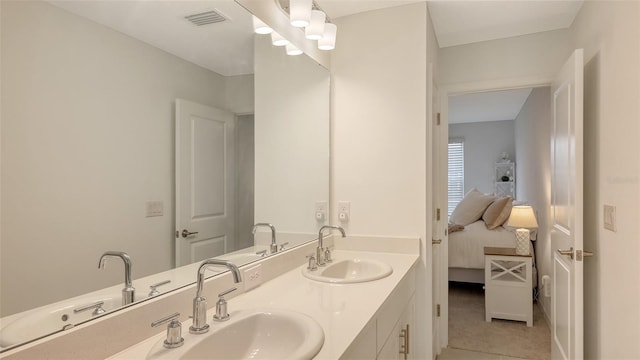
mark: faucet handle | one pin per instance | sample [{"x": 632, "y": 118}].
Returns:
[
  {"x": 327, "y": 255},
  {"x": 153, "y": 288},
  {"x": 312, "y": 263},
  {"x": 221, "y": 306},
  {"x": 174, "y": 330},
  {"x": 283, "y": 245},
  {"x": 97, "y": 306},
  {"x": 262, "y": 253}
]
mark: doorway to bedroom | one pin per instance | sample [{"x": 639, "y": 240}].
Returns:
[{"x": 496, "y": 141}]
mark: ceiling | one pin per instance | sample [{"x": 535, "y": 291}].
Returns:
[
  {"x": 225, "y": 47},
  {"x": 340, "y": 8},
  {"x": 465, "y": 22},
  {"x": 487, "y": 106}
]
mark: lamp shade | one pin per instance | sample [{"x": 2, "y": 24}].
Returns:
[
  {"x": 300, "y": 12},
  {"x": 328, "y": 41},
  {"x": 316, "y": 28},
  {"x": 260, "y": 27},
  {"x": 522, "y": 217}
]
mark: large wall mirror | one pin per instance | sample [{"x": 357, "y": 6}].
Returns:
[{"x": 125, "y": 123}]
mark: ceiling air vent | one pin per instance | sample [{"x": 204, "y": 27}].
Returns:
[{"x": 206, "y": 18}]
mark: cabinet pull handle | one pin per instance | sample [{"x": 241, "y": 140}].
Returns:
[{"x": 404, "y": 346}]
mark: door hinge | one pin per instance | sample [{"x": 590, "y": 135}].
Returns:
[
  {"x": 438, "y": 310},
  {"x": 437, "y": 118},
  {"x": 438, "y": 214}
]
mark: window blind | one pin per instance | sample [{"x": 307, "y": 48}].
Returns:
[{"x": 456, "y": 172}]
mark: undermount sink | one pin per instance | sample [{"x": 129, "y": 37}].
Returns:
[
  {"x": 350, "y": 271},
  {"x": 262, "y": 334},
  {"x": 47, "y": 320}
]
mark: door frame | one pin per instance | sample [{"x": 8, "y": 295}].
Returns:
[{"x": 447, "y": 90}]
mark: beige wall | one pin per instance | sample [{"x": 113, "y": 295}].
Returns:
[
  {"x": 379, "y": 132},
  {"x": 532, "y": 129},
  {"x": 87, "y": 140},
  {"x": 609, "y": 32},
  {"x": 523, "y": 57}
]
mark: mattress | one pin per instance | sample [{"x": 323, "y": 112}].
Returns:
[{"x": 466, "y": 247}]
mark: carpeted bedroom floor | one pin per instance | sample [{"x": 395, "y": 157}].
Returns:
[{"x": 468, "y": 329}]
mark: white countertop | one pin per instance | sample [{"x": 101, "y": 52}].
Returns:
[{"x": 342, "y": 310}]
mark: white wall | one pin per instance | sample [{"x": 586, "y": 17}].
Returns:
[
  {"x": 532, "y": 129},
  {"x": 484, "y": 143},
  {"x": 87, "y": 139},
  {"x": 379, "y": 134},
  {"x": 609, "y": 32},
  {"x": 292, "y": 138}
]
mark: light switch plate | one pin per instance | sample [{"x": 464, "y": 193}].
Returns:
[
  {"x": 155, "y": 208},
  {"x": 610, "y": 217}
]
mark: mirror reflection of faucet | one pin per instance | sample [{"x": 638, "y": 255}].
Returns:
[
  {"x": 129, "y": 291},
  {"x": 274, "y": 246},
  {"x": 154, "y": 288}
]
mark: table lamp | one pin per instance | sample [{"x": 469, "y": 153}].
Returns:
[{"x": 523, "y": 219}]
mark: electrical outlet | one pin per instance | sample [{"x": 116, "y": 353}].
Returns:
[
  {"x": 252, "y": 277},
  {"x": 154, "y": 208},
  {"x": 321, "y": 210},
  {"x": 344, "y": 211}
]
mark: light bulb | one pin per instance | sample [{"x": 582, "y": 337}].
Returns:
[
  {"x": 300, "y": 12},
  {"x": 278, "y": 40},
  {"x": 328, "y": 41},
  {"x": 261, "y": 28},
  {"x": 316, "y": 27}
]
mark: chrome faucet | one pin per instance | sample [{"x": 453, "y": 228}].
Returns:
[
  {"x": 274, "y": 246},
  {"x": 129, "y": 291},
  {"x": 324, "y": 255},
  {"x": 200, "y": 325}
]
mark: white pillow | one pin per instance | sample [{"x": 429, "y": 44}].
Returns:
[{"x": 471, "y": 207}]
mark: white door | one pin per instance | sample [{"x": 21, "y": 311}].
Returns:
[
  {"x": 205, "y": 186},
  {"x": 566, "y": 210}
]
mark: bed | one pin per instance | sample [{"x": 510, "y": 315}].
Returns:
[
  {"x": 466, "y": 251},
  {"x": 475, "y": 223}
]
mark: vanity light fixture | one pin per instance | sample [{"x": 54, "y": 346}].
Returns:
[
  {"x": 300, "y": 12},
  {"x": 260, "y": 27},
  {"x": 328, "y": 41},
  {"x": 278, "y": 40},
  {"x": 316, "y": 27},
  {"x": 293, "y": 50}
]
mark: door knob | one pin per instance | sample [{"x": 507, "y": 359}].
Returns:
[
  {"x": 566, "y": 252},
  {"x": 436, "y": 242},
  {"x": 186, "y": 233}
]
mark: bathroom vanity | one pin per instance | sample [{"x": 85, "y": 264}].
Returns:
[{"x": 371, "y": 319}]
